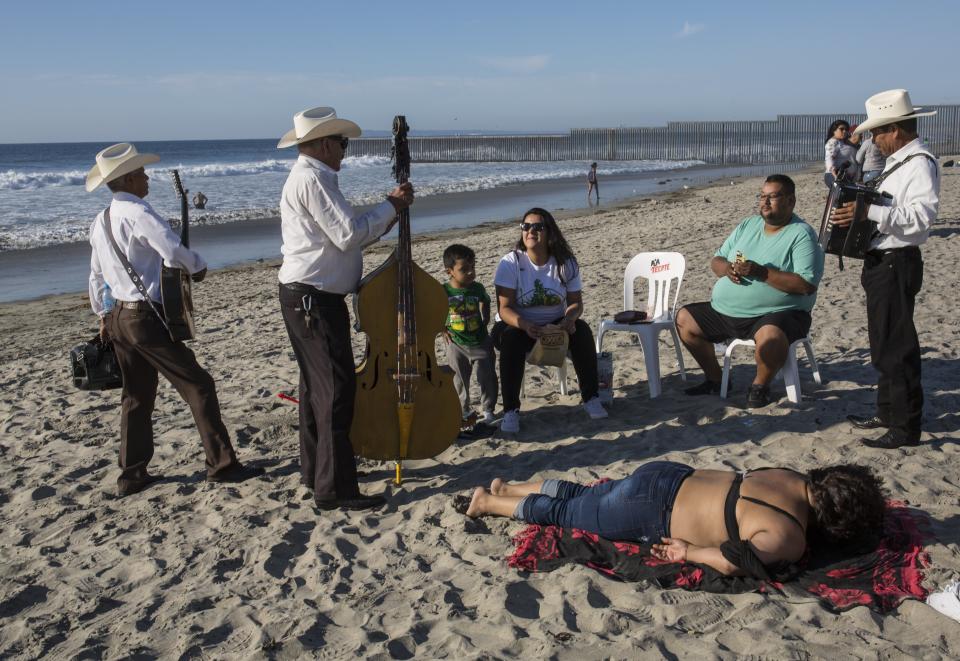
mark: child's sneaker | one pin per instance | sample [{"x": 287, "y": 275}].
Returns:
[
  {"x": 487, "y": 418},
  {"x": 511, "y": 422},
  {"x": 595, "y": 409}
]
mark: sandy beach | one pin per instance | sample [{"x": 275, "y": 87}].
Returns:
[{"x": 252, "y": 571}]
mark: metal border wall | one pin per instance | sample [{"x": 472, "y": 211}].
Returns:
[{"x": 788, "y": 138}]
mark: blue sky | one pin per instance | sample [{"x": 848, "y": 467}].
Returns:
[{"x": 108, "y": 71}]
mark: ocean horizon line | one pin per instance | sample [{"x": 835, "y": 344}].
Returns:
[{"x": 368, "y": 133}]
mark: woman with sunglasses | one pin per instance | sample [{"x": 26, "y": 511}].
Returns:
[
  {"x": 538, "y": 283},
  {"x": 840, "y": 156}
]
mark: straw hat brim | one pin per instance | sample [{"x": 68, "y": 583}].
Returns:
[
  {"x": 873, "y": 123},
  {"x": 95, "y": 178},
  {"x": 337, "y": 126}
]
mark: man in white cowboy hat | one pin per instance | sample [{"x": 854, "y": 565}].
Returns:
[
  {"x": 893, "y": 269},
  {"x": 323, "y": 241},
  {"x": 142, "y": 345}
]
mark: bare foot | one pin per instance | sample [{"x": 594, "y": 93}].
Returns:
[
  {"x": 497, "y": 486},
  {"x": 477, "y": 502}
]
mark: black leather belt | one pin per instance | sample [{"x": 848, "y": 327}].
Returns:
[
  {"x": 139, "y": 306},
  {"x": 309, "y": 290},
  {"x": 879, "y": 254}
]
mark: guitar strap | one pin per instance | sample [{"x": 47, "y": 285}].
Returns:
[{"x": 128, "y": 267}]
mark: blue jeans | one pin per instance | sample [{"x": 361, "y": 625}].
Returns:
[
  {"x": 871, "y": 174},
  {"x": 636, "y": 508}
]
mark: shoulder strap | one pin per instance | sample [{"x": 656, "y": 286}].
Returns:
[
  {"x": 875, "y": 183},
  {"x": 730, "y": 508},
  {"x": 787, "y": 514},
  {"x": 128, "y": 267}
]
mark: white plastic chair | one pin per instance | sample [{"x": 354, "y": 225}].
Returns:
[
  {"x": 790, "y": 370},
  {"x": 662, "y": 270}
]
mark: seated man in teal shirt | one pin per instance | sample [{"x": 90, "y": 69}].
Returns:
[{"x": 768, "y": 271}]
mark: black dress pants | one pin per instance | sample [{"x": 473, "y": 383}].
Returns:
[
  {"x": 327, "y": 390},
  {"x": 514, "y": 345},
  {"x": 891, "y": 280}
]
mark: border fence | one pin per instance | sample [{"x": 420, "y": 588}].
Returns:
[{"x": 788, "y": 138}]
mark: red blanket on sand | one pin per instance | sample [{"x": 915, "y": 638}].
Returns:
[{"x": 879, "y": 579}]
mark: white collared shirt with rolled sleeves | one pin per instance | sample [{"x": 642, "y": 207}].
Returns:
[
  {"x": 915, "y": 189},
  {"x": 323, "y": 236},
  {"x": 147, "y": 241}
]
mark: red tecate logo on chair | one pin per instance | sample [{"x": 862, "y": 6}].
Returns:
[{"x": 657, "y": 267}]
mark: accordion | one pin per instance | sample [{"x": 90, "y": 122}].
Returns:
[
  {"x": 854, "y": 239},
  {"x": 94, "y": 366}
]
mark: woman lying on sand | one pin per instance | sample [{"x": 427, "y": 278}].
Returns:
[{"x": 757, "y": 523}]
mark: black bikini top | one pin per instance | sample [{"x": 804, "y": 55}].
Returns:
[{"x": 742, "y": 552}]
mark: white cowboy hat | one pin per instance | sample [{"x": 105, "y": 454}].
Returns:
[
  {"x": 889, "y": 107},
  {"x": 116, "y": 161},
  {"x": 317, "y": 123}
]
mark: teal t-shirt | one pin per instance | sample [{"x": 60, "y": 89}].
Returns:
[
  {"x": 464, "y": 321},
  {"x": 794, "y": 249}
]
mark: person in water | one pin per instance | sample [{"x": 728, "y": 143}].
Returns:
[{"x": 759, "y": 523}]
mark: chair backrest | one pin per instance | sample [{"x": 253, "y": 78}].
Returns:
[{"x": 661, "y": 269}]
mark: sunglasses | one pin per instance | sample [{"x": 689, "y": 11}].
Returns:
[
  {"x": 340, "y": 139},
  {"x": 533, "y": 227}
]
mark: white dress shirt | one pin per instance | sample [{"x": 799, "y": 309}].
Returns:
[
  {"x": 147, "y": 241},
  {"x": 323, "y": 236},
  {"x": 905, "y": 220}
]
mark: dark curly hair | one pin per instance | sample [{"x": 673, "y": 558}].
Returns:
[
  {"x": 557, "y": 246},
  {"x": 849, "y": 501}
]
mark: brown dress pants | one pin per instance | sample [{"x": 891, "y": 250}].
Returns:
[{"x": 143, "y": 350}]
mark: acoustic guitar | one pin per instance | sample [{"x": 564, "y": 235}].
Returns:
[{"x": 175, "y": 284}]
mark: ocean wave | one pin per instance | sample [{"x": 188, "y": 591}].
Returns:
[
  {"x": 21, "y": 238},
  {"x": 222, "y": 169},
  {"x": 16, "y": 180},
  {"x": 13, "y": 180}
]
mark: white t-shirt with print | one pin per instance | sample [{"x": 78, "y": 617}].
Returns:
[{"x": 541, "y": 295}]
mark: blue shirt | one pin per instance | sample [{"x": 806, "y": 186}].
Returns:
[{"x": 793, "y": 249}]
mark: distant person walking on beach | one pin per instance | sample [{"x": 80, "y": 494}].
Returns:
[
  {"x": 323, "y": 241},
  {"x": 839, "y": 155},
  {"x": 893, "y": 269},
  {"x": 199, "y": 200},
  {"x": 143, "y": 347},
  {"x": 592, "y": 184}
]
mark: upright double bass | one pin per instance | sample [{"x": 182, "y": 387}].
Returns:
[{"x": 406, "y": 405}]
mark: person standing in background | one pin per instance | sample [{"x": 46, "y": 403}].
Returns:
[
  {"x": 870, "y": 159},
  {"x": 839, "y": 154}
]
